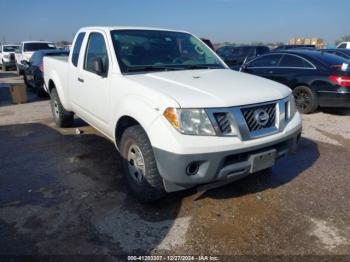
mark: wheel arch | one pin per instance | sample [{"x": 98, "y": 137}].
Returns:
[{"x": 122, "y": 124}]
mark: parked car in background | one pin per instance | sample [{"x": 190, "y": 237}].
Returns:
[
  {"x": 208, "y": 43},
  {"x": 316, "y": 78},
  {"x": 343, "y": 52},
  {"x": 7, "y": 56},
  {"x": 179, "y": 116},
  {"x": 288, "y": 47},
  {"x": 34, "y": 68},
  {"x": 26, "y": 50},
  {"x": 345, "y": 45},
  {"x": 235, "y": 56}
]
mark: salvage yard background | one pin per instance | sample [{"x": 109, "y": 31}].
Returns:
[{"x": 64, "y": 193}]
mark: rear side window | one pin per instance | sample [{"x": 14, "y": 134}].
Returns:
[
  {"x": 96, "y": 49},
  {"x": 77, "y": 47},
  {"x": 342, "y": 46},
  {"x": 294, "y": 61},
  {"x": 266, "y": 61}
]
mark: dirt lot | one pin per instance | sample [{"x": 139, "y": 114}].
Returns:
[{"x": 64, "y": 194}]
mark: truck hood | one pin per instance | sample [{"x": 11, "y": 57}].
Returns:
[
  {"x": 27, "y": 55},
  {"x": 212, "y": 88}
]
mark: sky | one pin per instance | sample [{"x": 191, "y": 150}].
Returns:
[{"x": 240, "y": 21}]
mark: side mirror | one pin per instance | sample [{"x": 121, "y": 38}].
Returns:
[{"x": 98, "y": 66}]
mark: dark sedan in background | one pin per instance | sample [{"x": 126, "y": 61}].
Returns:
[
  {"x": 235, "y": 56},
  {"x": 288, "y": 47},
  {"x": 316, "y": 78},
  {"x": 345, "y": 53},
  {"x": 33, "y": 71}
]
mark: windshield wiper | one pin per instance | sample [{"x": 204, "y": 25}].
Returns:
[
  {"x": 199, "y": 66},
  {"x": 150, "y": 68}
]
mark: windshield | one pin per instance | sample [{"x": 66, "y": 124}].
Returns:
[
  {"x": 153, "y": 50},
  {"x": 30, "y": 47},
  {"x": 9, "y": 48}
]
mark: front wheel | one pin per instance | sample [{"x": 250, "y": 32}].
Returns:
[
  {"x": 140, "y": 166},
  {"x": 62, "y": 117},
  {"x": 306, "y": 100}
]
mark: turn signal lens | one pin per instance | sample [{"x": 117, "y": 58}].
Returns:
[
  {"x": 171, "y": 115},
  {"x": 343, "y": 81}
]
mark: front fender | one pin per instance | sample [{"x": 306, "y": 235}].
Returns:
[{"x": 137, "y": 107}]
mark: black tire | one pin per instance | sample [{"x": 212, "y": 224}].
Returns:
[
  {"x": 26, "y": 81},
  {"x": 18, "y": 71},
  {"x": 62, "y": 117},
  {"x": 150, "y": 187},
  {"x": 40, "y": 92},
  {"x": 306, "y": 99}
]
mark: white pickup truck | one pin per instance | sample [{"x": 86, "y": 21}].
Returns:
[
  {"x": 178, "y": 115},
  {"x": 27, "y": 49},
  {"x": 7, "y": 56}
]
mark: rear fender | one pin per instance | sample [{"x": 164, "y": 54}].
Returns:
[{"x": 60, "y": 90}]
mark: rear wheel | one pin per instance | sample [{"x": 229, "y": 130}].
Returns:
[
  {"x": 140, "y": 166},
  {"x": 306, "y": 100},
  {"x": 62, "y": 117}
]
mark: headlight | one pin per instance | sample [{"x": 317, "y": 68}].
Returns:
[
  {"x": 292, "y": 107},
  {"x": 190, "y": 121},
  {"x": 6, "y": 56}
]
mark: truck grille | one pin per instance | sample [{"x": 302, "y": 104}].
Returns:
[
  {"x": 12, "y": 57},
  {"x": 224, "y": 123},
  {"x": 253, "y": 121}
]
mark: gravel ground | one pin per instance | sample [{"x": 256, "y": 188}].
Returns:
[{"x": 64, "y": 194}]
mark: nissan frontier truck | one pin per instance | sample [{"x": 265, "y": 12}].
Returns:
[{"x": 177, "y": 114}]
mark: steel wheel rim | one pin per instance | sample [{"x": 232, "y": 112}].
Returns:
[
  {"x": 302, "y": 99},
  {"x": 55, "y": 109},
  {"x": 136, "y": 163}
]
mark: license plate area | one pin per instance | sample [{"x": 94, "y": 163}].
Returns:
[{"x": 262, "y": 160}]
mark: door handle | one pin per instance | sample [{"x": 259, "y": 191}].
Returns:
[
  {"x": 271, "y": 72},
  {"x": 80, "y": 80}
]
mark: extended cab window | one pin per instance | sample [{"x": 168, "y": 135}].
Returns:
[
  {"x": 342, "y": 46},
  {"x": 294, "y": 61},
  {"x": 266, "y": 61},
  {"x": 77, "y": 47},
  {"x": 96, "y": 51}
]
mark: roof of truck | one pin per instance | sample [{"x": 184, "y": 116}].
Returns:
[
  {"x": 109, "y": 28},
  {"x": 9, "y": 45},
  {"x": 39, "y": 41}
]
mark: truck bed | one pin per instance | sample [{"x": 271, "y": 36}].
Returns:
[{"x": 56, "y": 69}]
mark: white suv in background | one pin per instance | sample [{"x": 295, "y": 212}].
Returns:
[
  {"x": 7, "y": 56},
  {"x": 27, "y": 49},
  {"x": 344, "y": 45}
]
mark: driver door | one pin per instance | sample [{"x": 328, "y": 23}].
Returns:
[{"x": 92, "y": 87}]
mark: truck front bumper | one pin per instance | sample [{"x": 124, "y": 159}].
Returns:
[
  {"x": 9, "y": 63},
  {"x": 182, "y": 171}
]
